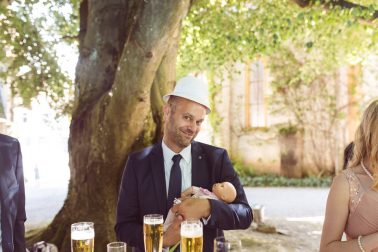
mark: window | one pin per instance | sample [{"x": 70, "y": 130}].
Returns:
[{"x": 255, "y": 113}]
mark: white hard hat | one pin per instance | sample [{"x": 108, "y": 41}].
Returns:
[{"x": 193, "y": 89}]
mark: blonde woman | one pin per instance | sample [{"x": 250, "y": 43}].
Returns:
[{"x": 352, "y": 205}]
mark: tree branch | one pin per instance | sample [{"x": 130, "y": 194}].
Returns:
[
  {"x": 70, "y": 37},
  {"x": 4, "y": 3},
  {"x": 341, "y": 3}
]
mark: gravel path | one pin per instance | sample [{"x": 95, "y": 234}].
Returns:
[
  {"x": 296, "y": 213},
  {"x": 293, "y": 236}
]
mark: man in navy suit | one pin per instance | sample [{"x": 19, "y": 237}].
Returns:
[
  {"x": 150, "y": 176},
  {"x": 12, "y": 196}
]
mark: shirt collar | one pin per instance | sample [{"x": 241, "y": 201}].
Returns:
[{"x": 168, "y": 154}]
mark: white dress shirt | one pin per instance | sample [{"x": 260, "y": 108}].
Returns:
[
  {"x": 186, "y": 169},
  {"x": 185, "y": 165}
]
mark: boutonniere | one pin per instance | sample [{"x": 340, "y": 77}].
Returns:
[{"x": 174, "y": 247}]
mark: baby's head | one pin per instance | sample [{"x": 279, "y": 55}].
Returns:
[{"x": 225, "y": 191}]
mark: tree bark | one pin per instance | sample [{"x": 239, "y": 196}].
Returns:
[{"x": 127, "y": 62}]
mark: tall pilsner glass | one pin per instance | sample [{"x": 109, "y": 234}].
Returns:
[
  {"x": 191, "y": 236},
  {"x": 153, "y": 232},
  {"x": 82, "y": 237}
]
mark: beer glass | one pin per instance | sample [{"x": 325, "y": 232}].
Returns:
[
  {"x": 116, "y": 247},
  {"x": 191, "y": 236},
  {"x": 82, "y": 237},
  {"x": 223, "y": 245},
  {"x": 153, "y": 232}
]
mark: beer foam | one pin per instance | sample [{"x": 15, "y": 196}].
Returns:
[
  {"x": 82, "y": 235},
  {"x": 153, "y": 221},
  {"x": 191, "y": 231}
]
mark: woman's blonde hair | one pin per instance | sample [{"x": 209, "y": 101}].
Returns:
[{"x": 366, "y": 141}]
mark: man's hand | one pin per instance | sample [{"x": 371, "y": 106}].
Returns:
[
  {"x": 190, "y": 191},
  {"x": 192, "y": 208},
  {"x": 172, "y": 235}
]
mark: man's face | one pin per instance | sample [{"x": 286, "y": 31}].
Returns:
[{"x": 183, "y": 119}]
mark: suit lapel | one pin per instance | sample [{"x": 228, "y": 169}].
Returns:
[
  {"x": 199, "y": 174},
  {"x": 3, "y": 168},
  {"x": 158, "y": 173},
  {"x": 7, "y": 177}
]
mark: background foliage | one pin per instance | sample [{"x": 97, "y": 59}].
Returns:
[
  {"x": 250, "y": 178},
  {"x": 304, "y": 45},
  {"x": 304, "y": 48},
  {"x": 28, "y": 57},
  {"x": 218, "y": 32},
  {"x": 215, "y": 32}
]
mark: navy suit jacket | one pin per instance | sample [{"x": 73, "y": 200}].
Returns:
[
  {"x": 143, "y": 191},
  {"x": 12, "y": 195}
]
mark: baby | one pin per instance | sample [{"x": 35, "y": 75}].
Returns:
[{"x": 224, "y": 191}]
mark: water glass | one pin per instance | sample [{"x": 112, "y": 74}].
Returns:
[
  {"x": 223, "y": 245},
  {"x": 116, "y": 247}
]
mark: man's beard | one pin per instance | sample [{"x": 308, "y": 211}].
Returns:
[
  {"x": 178, "y": 136},
  {"x": 181, "y": 140}
]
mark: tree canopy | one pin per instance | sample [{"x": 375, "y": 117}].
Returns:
[
  {"x": 30, "y": 32},
  {"x": 214, "y": 33},
  {"x": 219, "y": 32}
]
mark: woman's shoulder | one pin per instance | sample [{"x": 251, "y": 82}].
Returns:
[
  {"x": 353, "y": 171},
  {"x": 339, "y": 191},
  {"x": 341, "y": 180}
]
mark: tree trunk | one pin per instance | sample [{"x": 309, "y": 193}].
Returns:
[{"x": 127, "y": 62}]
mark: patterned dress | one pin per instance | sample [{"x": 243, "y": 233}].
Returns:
[{"x": 363, "y": 205}]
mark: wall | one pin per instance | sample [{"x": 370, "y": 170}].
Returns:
[
  {"x": 260, "y": 148},
  {"x": 257, "y": 148}
]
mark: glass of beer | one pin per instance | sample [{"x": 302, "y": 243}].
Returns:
[
  {"x": 116, "y": 247},
  {"x": 223, "y": 245},
  {"x": 82, "y": 237},
  {"x": 191, "y": 236},
  {"x": 153, "y": 232}
]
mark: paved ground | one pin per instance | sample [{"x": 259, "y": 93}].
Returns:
[
  {"x": 297, "y": 212},
  {"x": 284, "y": 202},
  {"x": 42, "y": 203}
]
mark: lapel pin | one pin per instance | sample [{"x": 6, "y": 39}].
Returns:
[{"x": 199, "y": 157}]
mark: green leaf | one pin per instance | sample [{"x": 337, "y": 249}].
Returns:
[{"x": 174, "y": 247}]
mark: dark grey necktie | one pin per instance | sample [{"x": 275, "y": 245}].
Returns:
[{"x": 174, "y": 189}]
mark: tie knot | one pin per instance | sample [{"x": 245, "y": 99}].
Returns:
[{"x": 176, "y": 158}]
